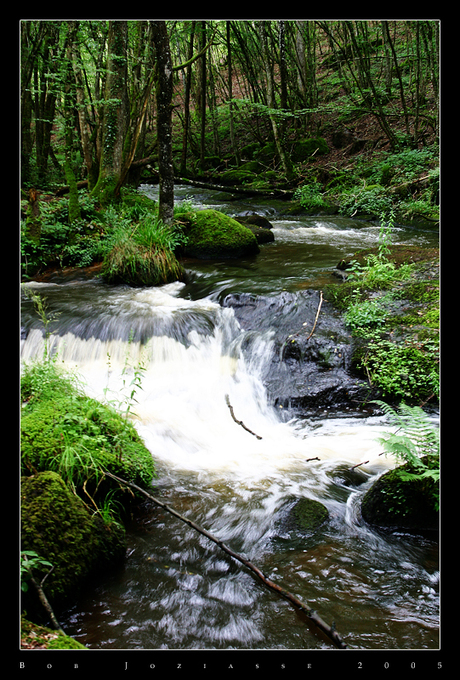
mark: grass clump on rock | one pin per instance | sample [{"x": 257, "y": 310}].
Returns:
[{"x": 142, "y": 253}]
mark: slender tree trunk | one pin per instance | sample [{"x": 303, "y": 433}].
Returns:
[
  {"x": 203, "y": 94},
  {"x": 69, "y": 122},
  {"x": 188, "y": 80},
  {"x": 164, "y": 92},
  {"x": 83, "y": 119},
  {"x": 285, "y": 161},
  {"x": 115, "y": 115}
]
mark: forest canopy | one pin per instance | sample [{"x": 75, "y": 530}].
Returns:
[{"x": 106, "y": 103}]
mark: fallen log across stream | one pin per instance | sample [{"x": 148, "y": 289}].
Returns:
[{"x": 311, "y": 614}]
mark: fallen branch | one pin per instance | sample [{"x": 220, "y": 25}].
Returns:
[
  {"x": 44, "y": 600},
  {"x": 317, "y": 313},
  {"x": 329, "y": 631},
  {"x": 232, "y": 189},
  {"x": 357, "y": 465},
  {"x": 239, "y": 422}
]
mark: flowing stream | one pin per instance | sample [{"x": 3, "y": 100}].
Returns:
[{"x": 177, "y": 590}]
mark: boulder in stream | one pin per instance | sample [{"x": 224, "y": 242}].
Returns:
[
  {"x": 58, "y": 526},
  {"x": 399, "y": 505},
  {"x": 214, "y": 235}
]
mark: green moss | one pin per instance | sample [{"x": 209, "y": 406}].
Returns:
[
  {"x": 309, "y": 514},
  {"x": 305, "y": 148},
  {"x": 57, "y": 525},
  {"x": 34, "y": 636},
  {"x": 65, "y": 431},
  {"x": 80, "y": 437},
  {"x": 395, "y": 503},
  {"x": 211, "y": 234}
]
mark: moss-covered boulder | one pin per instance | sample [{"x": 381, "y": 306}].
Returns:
[
  {"x": 306, "y": 148},
  {"x": 308, "y": 515},
  {"x": 80, "y": 438},
  {"x": 398, "y": 504},
  {"x": 214, "y": 235},
  {"x": 299, "y": 521},
  {"x": 58, "y": 526}
]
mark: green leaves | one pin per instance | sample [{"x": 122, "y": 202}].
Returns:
[
  {"x": 415, "y": 442},
  {"x": 30, "y": 561}
]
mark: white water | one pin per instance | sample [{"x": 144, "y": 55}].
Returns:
[
  {"x": 181, "y": 410},
  {"x": 176, "y": 591}
]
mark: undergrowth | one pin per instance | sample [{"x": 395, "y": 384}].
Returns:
[{"x": 415, "y": 443}]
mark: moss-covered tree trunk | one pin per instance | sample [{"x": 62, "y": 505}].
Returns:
[
  {"x": 116, "y": 114},
  {"x": 69, "y": 118},
  {"x": 164, "y": 91}
]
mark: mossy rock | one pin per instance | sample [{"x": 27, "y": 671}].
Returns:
[
  {"x": 96, "y": 437},
  {"x": 305, "y": 148},
  {"x": 309, "y": 515},
  {"x": 214, "y": 235},
  {"x": 34, "y": 636},
  {"x": 57, "y": 525},
  {"x": 397, "y": 504}
]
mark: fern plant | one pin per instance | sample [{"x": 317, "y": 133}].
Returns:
[{"x": 416, "y": 442}]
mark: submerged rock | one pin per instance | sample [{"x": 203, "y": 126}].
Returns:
[
  {"x": 299, "y": 520},
  {"x": 308, "y": 515}
]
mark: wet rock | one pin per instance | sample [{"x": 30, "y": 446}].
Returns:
[
  {"x": 259, "y": 225},
  {"x": 305, "y": 371},
  {"x": 299, "y": 520},
  {"x": 399, "y": 505}
]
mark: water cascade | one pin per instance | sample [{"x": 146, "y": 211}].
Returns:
[{"x": 176, "y": 589}]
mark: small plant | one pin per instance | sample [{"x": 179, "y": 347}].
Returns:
[
  {"x": 363, "y": 315},
  {"x": 30, "y": 561},
  {"x": 311, "y": 196},
  {"x": 415, "y": 442}
]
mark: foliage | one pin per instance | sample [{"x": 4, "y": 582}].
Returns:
[
  {"x": 30, "y": 561},
  {"x": 311, "y": 196},
  {"x": 416, "y": 442}
]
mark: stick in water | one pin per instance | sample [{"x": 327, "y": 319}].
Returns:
[
  {"x": 329, "y": 631},
  {"x": 239, "y": 422}
]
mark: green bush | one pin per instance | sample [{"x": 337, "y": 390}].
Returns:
[{"x": 311, "y": 196}]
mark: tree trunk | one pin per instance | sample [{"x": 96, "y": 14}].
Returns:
[
  {"x": 164, "y": 91},
  {"x": 188, "y": 80},
  {"x": 230, "y": 95},
  {"x": 115, "y": 115},
  {"x": 69, "y": 121},
  {"x": 83, "y": 119},
  {"x": 285, "y": 161}
]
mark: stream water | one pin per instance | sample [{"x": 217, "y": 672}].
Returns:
[{"x": 177, "y": 590}]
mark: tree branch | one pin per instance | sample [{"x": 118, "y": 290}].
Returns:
[
  {"x": 239, "y": 422},
  {"x": 329, "y": 631}
]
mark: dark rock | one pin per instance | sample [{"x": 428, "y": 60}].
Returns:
[
  {"x": 304, "y": 373},
  {"x": 400, "y": 505}
]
